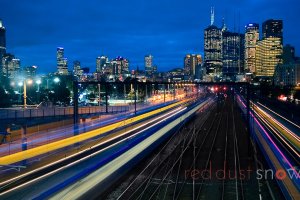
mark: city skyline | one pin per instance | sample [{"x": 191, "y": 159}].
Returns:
[{"x": 168, "y": 32}]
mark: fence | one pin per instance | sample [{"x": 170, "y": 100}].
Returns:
[{"x": 57, "y": 111}]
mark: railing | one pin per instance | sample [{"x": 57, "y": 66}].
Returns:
[{"x": 57, "y": 111}]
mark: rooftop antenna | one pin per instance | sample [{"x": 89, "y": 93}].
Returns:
[
  {"x": 212, "y": 16},
  {"x": 224, "y": 27}
]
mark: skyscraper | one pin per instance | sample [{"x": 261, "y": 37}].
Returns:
[
  {"x": 287, "y": 73},
  {"x": 30, "y": 71},
  {"x": 62, "y": 62},
  {"x": 149, "y": 65},
  {"x": 272, "y": 28},
  {"x": 288, "y": 54},
  {"x": 192, "y": 66},
  {"x": 2, "y": 45},
  {"x": 101, "y": 63},
  {"x": 11, "y": 66},
  {"x": 213, "y": 48},
  {"x": 251, "y": 39},
  {"x": 232, "y": 54},
  {"x": 120, "y": 66},
  {"x": 268, "y": 56},
  {"x": 77, "y": 68},
  {"x": 269, "y": 50}
]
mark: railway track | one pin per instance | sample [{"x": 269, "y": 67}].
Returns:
[{"x": 210, "y": 143}]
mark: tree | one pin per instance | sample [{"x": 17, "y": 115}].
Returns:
[{"x": 5, "y": 100}]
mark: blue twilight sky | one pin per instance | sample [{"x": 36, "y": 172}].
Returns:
[{"x": 167, "y": 29}]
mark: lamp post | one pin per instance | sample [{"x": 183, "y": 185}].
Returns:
[
  {"x": 38, "y": 82},
  {"x": 25, "y": 91},
  {"x": 57, "y": 80}
]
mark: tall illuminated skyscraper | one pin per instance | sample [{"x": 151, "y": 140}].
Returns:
[
  {"x": 251, "y": 39},
  {"x": 232, "y": 54},
  {"x": 62, "y": 62},
  {"x": 268, "y": 56},
  {"x": 149, "y": 64},
  {"x": 269, "y": 50},
  {"x": 2, "y": 45},
  {"x": 213, "y": 48}
]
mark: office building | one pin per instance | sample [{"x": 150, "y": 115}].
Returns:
[
  {"x": 62, "y": 62},
  {"x": 251, "y": 39},
  {"x": 272, "y": 28},
  {"x": 120, "y": 66},
  {"x": 77, "y": 71},
  {"x": 288, "y": 55},
  {"x": 2, "y": 45},
  {"x": 232, "y": 49},
  {"x": 268, "y": 56},
  {"x": 192, "y": 66},
  {"x": 213, "y": 48},
  {"x": 11, "y": 66},
  {"x": 149, "y": 65},
  {"x": 269, "y": 50},
  {"x": 287, "y": 74},
  {"x": 101, "y": 63},
  {"x": 30, "y": 71}
]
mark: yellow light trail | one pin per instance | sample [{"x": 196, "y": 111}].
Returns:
[
  {"x": 291, "y": 137},
  {"x": 30, "y": 153}
]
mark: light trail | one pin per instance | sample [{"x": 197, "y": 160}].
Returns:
[
  {"x": 273, "y": 143},
  {"x": 278, "y": 134},
  {"x": 279, "y": 115},
  {"x": 281, "y": 125},
  {"x": 163, "y": 118},
  {"x": 30, "y": 153},
  {"x": 277, "y": 148},
  {"x": 79, "y": 188}
]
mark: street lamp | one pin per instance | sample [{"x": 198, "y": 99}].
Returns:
[
  {"x": 38, "y": 82},
  {"x": 56, "y": 80},
  {"x": 25, "y": 95}
]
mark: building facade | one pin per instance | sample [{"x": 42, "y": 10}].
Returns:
[
  {"x": 272, "y": 28},
  {"x": 149, "y": 65},
  {"x": 251, "y": 39},
  {"x": 11, "y": 66},
  {"x": 77, "y": 71},
  {"x": 213, "y": 50},
  {"x": 232, "y": 50},
  {"x": 30, "y": 71},
  {"x": 268, "y": 56},
  {"x": 192, "y": 66},
  {"x": 2, "y": 45},
  {"x": 269, "y": 50},
  {"x": 62, "y": 62},
  {"x": 287, "y": 74},
  {"x": 120, "y": 66},
  {"x": 101, "y": 63}
]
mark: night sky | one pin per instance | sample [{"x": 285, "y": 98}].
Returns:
[{"x": 167, "y": 29}]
